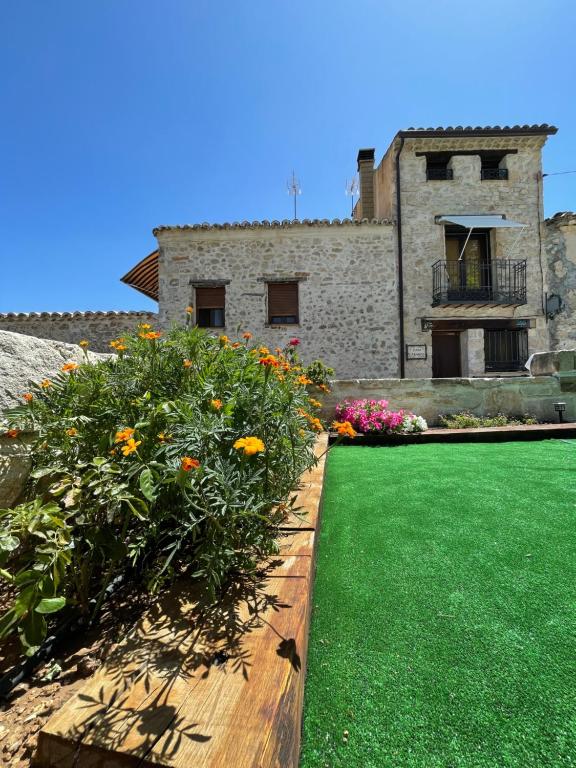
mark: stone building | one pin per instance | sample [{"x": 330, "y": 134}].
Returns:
[{"x": 446, "y": 269}]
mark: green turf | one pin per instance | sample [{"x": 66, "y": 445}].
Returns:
[{"x": 444, "y": 621}]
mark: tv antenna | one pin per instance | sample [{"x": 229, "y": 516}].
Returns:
[
  {"x": 352, "y": 190},
  {"x": 294, "y": 190}
]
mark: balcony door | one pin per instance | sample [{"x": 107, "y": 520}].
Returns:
[{"x": 469, "y": 276}]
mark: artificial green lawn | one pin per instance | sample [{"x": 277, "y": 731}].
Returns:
[{"x": 444, "y": 621}]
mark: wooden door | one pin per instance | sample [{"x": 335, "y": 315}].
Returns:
[{"x": 446, "y": 355}]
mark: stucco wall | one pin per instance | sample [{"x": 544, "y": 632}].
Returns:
[
  {"x": 99, "y": 328},
  {"x": 347, "y": 287},
  {"x": 561, "y": 255},
  {"x": 432, "y": 397}
]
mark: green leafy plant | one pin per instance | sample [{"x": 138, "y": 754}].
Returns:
[
  {"x": 466, "y": 420},
  {"x": 179, "y": 454}
]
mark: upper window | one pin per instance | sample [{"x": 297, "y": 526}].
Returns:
[
  {"x": 437, "y": 167},
  {"x": 283, "y": 303},
  {"x": 490, "y": 170},
  {"x": 210, "y": 307}
]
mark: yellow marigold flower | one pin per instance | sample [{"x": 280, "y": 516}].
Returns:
[
  {"x": 84, "y": 343},
  {"x": 344, "y": 428},
  {"x": 303, "y": 380},
  {"x": 72, "y": 432},
  {"x": 145, "y": 326},
  {"x": 223, "y": 339},
  {"x": 324, "y": 387},
  {"x": 123, "y": 435},
  {"x": 254, "y": 352},
  {"x": 163, "y": 437},
  {"x": 118, "y": 344},
  {"x": 250, "y": 445},
  {"x": 247, "y": 335},
  {"x": 12, "y": 433},
  {"x": 264, "y": 351},
  {"x": 150, "y": 335},
  {"x": 68, "y": 367},
  {"x": 187, "y": 363},
  {"x": 187, "y": 463},
  {"x": 189, "y": 310},
  {"x": 316, "y": 424},
  {"x": 315, "y": 403},
  {"x": 216, "y": 404},
  {"x": 28, "y": 396},
  {"x": 45, "y": 383},
  {"x": 131, "y": 446}
]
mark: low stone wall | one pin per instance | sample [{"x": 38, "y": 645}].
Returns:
[
  {"x": 431, "y": 398},
  {"x": 99, "y": 328}
]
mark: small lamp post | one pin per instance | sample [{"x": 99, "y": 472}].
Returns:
[{"x": 560, "y": 408}]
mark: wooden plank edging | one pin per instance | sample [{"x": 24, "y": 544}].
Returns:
[{"x": 202, "y": 686}]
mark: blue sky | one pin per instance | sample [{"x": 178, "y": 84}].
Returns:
[{"x": 119, "y": 115}]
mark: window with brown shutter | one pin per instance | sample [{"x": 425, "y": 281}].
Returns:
[
  {"x": 282, "y": 303},
  {"x": 210, "y": 305}
]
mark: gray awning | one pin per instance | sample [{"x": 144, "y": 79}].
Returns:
[{"x": 480, "y": 221}]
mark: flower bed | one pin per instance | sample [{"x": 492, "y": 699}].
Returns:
[
  {"x": 178, "y": 454},
  {"x": 374, "y": 417}
]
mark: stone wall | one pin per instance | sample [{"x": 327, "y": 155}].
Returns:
[
  {"x": 561, "y": 255},
  {"x": 99, "y": 328},
  {"x": 347, "y": 286},
  {"x": 430, "y": 398}
]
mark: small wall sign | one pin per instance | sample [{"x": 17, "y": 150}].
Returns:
[{"x": 416, "y": 352}]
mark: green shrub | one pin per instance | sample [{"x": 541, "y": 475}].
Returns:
[
  {"x": 466, "y": 420},
  {"x": 176, "y": 454}
]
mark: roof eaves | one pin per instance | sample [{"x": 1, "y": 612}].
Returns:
[
  {"x": 274, "y": 224},
  {"x": 487, "y": 130}
]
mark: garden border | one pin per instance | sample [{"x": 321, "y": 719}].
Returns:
[
  {"x": 468, "y": 435},
  {"x": 199, "y": 685}
]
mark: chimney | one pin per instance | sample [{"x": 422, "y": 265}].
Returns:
[{"x": 366, "y": 172}]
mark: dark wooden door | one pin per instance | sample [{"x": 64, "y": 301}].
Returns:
[{"x": 446, "y": 355}]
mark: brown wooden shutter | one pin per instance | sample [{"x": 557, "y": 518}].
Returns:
[
  {"x": 210, "y": 298},
  {"x": 282, "y": 299}
]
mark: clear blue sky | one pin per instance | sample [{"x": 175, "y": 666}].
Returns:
[{"x": 119, "y": 115}]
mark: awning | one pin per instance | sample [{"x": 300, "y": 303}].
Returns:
[
  {"x": 144, "y": 276},
  {"x": 480, "y": 221}
]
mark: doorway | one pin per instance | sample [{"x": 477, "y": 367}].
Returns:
[{"x": 446, "y": 361}]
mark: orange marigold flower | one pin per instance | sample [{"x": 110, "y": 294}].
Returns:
[
  {"x": 150, "y": 335},
  {"x": 216, "y": 404},
  {"x": 112, "y": 451},
  {"x": 236, "y": 345},
  {"x": 72, "y": 432},
  {"x": 187, "y": 463},
  {"x": 68, "y": 367},
  {"x": 344, "y": 428},
  {"x": 84, "y": 343},
  {"x": 130, "y": 446},
  {"x": 123, "y": 435},
  {"x": 264, "y": 351},
  {"x": 315, "y": 424},
  {"x": 12, "y": 433},
  {"x": 324, "y": 387},
  {"x": 223, "y": 339},
  {"x": 28, "y": 396},
  {"x": 250, "y": 445},
  {"x": 247, "y": 335},
  {"x": 187, "y": 363},
  {"x": 303, "y": 380},
  {"x": 315, "y": 403},
  {"x": 45, "y": 383},
  {"x": 189, "y": 310},
  {"x": 269, "y": 360}
]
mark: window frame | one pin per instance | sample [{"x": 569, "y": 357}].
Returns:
[
  {"x": 277, "y": 319},
  {"x": 210, "y": 310}
]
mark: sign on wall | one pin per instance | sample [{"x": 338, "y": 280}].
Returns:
[{"x": 416, "y": 352}]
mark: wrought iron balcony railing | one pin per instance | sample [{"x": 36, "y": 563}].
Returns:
[
  {"x": 500, "y": 281},
  {"x": 494, "y": 174},
  {"x": 439, "y": 174}
]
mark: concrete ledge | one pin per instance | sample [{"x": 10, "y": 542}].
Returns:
[{"x": 205, "y": 685}]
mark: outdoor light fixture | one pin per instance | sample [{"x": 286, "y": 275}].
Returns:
[
  {"x": 426, "y": 323},
  {"x": 560, "y": 408}
]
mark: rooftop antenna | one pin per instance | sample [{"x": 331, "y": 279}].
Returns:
[
  {"x": 352, "y": 190},
  {"x": 294, "y": 190}
]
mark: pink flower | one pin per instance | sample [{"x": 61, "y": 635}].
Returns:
[{"x": 294, "y": 342}]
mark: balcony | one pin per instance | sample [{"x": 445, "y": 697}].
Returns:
[
  {"x": 439, "y": 174},
  {"x": 480, "y": 284}
]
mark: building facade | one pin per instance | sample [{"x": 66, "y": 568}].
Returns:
[{"x": 446, "y": 269}]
